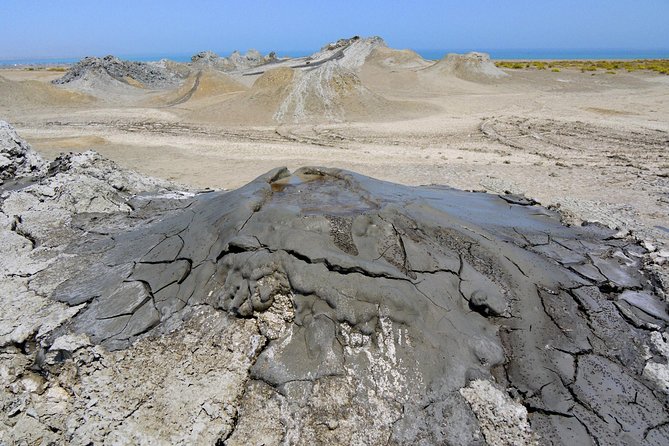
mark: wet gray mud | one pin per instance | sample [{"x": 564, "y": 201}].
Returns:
[{"x": 376, "y": 303}]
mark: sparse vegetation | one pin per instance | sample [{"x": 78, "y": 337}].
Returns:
[
  {"x": 41, "y": 68},
  {"x": 660, "y": 66}
]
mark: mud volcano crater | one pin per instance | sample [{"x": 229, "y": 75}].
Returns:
[{"x": 388, "y": 300}]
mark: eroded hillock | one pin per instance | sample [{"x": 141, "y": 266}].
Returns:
[
  {"x": 475, "y": 67},
  {"x": 154, "y": 75}
]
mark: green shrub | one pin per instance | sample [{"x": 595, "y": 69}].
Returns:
[{"x": 660, "y": 66}]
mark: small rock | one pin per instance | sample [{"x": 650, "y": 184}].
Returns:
[
  {"x": 503, "y": 421},
  {"x": 16, "y": 408},
  {"x": 658, "y": 374},
  {"x": 57, "y": 393},
  {"x": 487, "y": 305},
  {"x": 648, "y": 245},
  {"x": 33, "y": 383},
  {"x": 70, "y": 342}
]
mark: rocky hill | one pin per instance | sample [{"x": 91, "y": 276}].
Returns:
[
  {"x": 154, "y": 75},
  {"x": 235, "y": 62}
]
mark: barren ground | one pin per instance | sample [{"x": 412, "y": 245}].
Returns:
[{"x": 597, "y": 145}]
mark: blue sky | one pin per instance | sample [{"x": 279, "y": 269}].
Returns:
[{"x": 69, "y": 28}]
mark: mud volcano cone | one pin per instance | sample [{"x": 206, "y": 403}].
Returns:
[{"x": 376, "y": 303}]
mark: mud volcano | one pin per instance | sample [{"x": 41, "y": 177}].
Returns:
[{"x": 385, "y": 312}]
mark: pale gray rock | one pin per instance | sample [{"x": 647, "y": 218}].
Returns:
[
  {"x": 503, "y": 421},
  {"x": 657, "y": 369},
  {"x": 70, "y": 343}
]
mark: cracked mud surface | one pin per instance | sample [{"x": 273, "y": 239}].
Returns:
[
  {"x": 633, "y": 155},
  {"x": 318, "y": 306},
  {"x": 321, "y": 306}
]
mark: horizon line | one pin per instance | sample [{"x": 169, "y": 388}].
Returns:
[{"x": 166, "y": 55}]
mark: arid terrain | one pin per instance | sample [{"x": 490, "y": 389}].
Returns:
[
  {"x": 594, "y": 143},
  {"x": 342, "y": 301}
]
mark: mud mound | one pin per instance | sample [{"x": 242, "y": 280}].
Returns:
[
  {"x": 329, "y": 92},
  {"x": 475, "y": 67},
  {"x": 350, "y": 53},
  {"x": 364, "y": 311},
  {"x": 325, "y": 87},
  {"x": 154, "y": 75},
  {"x": 396, "y": 59},
  {"x": 268, "y": 91},
  {"x": 202, "y": 85},
  {"x": 235, "y": 62},
  {"x": 387, "y": 71},
  {"x": 104, "y": 87},
  {"x": 256, "y": 105}
]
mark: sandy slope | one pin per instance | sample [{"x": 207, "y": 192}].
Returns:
[
  {"x": 35, "y": 93},
  {"x": 201, "y": 85}
]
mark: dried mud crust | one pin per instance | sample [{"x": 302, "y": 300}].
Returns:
[
  {"x": 634, "y": 158},
  {"x": 583, "y": 142},
  {"x": 328, "y": 307},
  {"x": 318, "y": 306}
]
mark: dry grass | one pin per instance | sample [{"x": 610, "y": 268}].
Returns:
[
  {"x": 660, "y": 66},
  {"x": 57, "y": 69}
]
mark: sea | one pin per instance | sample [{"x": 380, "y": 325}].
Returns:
[{"x": 433, "y": 54}]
